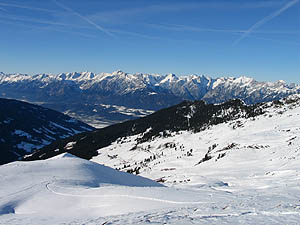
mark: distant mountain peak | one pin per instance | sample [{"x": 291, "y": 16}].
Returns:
[
  {"x": 118, "y": 72},
  {"x": 82, "y": 92},
  {"x": 169, "y": 78},
  {"x": 244, "y": 79}
]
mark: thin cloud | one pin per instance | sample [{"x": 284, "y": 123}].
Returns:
[
  {"x": 256, "y": 5},
  {"x": 183, "y": 28},
  {"x": 145, "y": 36},
  {"x": 149, "y": 37},
  {"x": 48, "y": 28},
  {"x": 265, "y": 20},
  {"x": 278, "y": 41},
  {"x": 38, "y": 21},
  {"x": 84, "y": 18},
  {"x": 252, "y": 35},
  {"x": 26, "y": 7},
  {"x": 132, "y": 11}
]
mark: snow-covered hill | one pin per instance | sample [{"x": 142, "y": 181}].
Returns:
[
  {"x": 244, "y": 170},
  {"x": 187, "y": 115},
  {"x": 101, "y": 96},
  {"x": 26, "y": 127},
  {"x": 266, "y": 142},
  {"x": 252, "y": 164},
  {"x": 65, "y": 188}
]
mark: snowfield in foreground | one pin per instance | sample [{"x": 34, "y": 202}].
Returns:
[{"x": 245, "y": 171}]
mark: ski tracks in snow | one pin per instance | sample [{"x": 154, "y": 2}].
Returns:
[{"x": 121, "y": 196}]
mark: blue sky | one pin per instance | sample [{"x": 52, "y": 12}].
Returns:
[{"x": 255, "y": 38}]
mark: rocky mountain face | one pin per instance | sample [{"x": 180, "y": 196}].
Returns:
[
  {"x": 107, "y": 98},
  {"x": 26, "y": 127}
]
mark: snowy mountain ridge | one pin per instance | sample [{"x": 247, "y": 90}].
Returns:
[
  {"x": 192, "y": 87},
  {"x": 274, "y": 127},
  {"x": 192, "y": 116},
  {"x": 82, "y": 95}
]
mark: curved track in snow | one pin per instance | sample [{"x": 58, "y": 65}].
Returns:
[{"x": 120, "y": 196}]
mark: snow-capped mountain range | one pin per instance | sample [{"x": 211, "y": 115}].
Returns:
[{"x": 100, "y": 96}]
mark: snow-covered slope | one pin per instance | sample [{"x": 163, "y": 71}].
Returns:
[
  {"x": 254, "y": 164},
  {"x": 187, "y": 115},
  {"x": 65, "y": 189},
  {"x": 26, "y": 127},
  {"x": 266, "y": 142},
  {"x": 242, "y": 171},
  {"x": 89, "y": 95}
]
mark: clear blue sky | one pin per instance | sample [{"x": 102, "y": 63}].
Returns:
[{"x": 255, "y": 38}]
